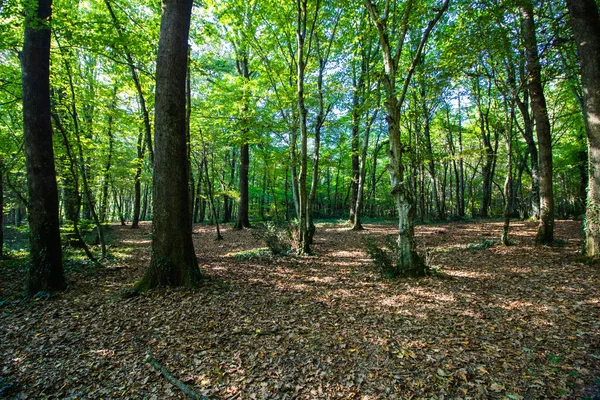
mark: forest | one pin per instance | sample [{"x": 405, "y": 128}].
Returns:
[{"x": 312, "y": 199}]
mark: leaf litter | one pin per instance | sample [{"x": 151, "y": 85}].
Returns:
[{"x": 518, "y": 322}]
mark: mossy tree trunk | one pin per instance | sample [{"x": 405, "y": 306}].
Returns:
[
  {"x": 585, "y": 21},
  {"x": 45, "y": 266},
  {"x": 173, "y": 261},
  {"x": 407, "y": 257}
]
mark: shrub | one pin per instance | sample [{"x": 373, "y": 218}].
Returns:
[{"x": 277, "y": 237}]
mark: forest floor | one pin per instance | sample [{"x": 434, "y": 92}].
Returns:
[{"x": 518, "y": 322}]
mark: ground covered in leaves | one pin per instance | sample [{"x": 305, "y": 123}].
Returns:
[{"x": 518, "y": 322}]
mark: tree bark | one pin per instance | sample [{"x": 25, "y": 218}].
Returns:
[
  {"x": 406, "y": 255},
  {"x": 1, "y": 209},
  {"x": 173, "y": 261},
  {"x": 243, "y": 220},
  {"x": 45, "y": 267},
  {"x": 106, "y": 177},
  {"x": 545, "y": 232},
  {"x": 137, "y": 183},
  {"x": 585, "y": 21}
]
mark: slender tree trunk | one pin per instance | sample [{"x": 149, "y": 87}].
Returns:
[
  {"x": 173, "y": 260},
  {"x": 72, "y": 181},
  {"x": 542, "y": 125},
  {"x": 106, "y": 174},
  {"x": 137, "y": 183},
  {"x": 507, "y": 189},
  {"x": 293, "y": 169},
  {"x": 210, "y": 192},
  {"x": 585, "y": 21},
  {"x": 45, "y": 261},
  {"x": 136, "y": 81},
  {"x": 198, "y": 197},
  {"x": 144, "y": 214},
  {"x": 354, "y": 140},
  {"x": 301, "y": 32}
]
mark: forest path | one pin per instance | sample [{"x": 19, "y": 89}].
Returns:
[{"x": 499, "y": 322}]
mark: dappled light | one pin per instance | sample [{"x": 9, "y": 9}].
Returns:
[{"x": 327, "y": 320}]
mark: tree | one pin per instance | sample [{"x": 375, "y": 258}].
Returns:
[
  {"x": 407, "y": 257},
  {"x": 586, "y": 29},
  {"x": 45, "y": 264},
  {"x": 173, "y": 261},
  {"x": 545, "y": 232}
]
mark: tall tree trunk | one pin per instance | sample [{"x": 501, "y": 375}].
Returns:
[
  {"x": 357, "y": 95},
  {"x": 45, "y": 261},
  {"x": 545, "y": 232},
  {"x": 507, "y": 189},
  {"x": 301, "y": 60},
  {"x": 585, "y": 21},
  {"x": 111, "y": 140},
  {"x": 243, "y": 220},
  {"x": 1, "y": 209},
  {"x": 173, "y": 260}
]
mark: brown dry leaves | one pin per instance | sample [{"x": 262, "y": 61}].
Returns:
[{"x": 516, "y": 322}]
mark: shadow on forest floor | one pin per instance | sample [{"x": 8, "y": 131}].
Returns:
[{"x": 503, "y": 322}]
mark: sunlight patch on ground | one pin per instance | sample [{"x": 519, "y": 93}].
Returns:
[
  {"x": 396, "y": 301},
  {"x": 137, "y": 241},
  {"x": 470, "y": 274},
  {"x": 431, "y": 295}
]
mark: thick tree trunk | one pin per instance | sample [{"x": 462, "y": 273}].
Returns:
[
  {"x": 173, "y": 260},
  {"x": 545, "y": 232},
  {"x": 45, "y": 265},
  {"x": 585, "y": 21}
]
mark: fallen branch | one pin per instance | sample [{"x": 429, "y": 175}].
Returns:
[{"x": 192, "y": 394}]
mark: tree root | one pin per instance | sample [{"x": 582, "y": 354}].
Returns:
[{"x": 192, "y": 394}]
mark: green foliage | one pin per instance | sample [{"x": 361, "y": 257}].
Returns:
[
  {"x": 386, "y": 261},
  {"x": 252, "y": 254},
  {"x": 8, "y": 386},
  {"x": 483, "y": 244},
  {"x": 277, "y": 237}
]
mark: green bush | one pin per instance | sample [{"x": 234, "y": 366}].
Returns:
[{"x": 277, "y": 237}]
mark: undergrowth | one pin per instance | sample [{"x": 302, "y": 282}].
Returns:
[
  {"x": 388, "y": 263},
  {"x": 278, "y": 237}
]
